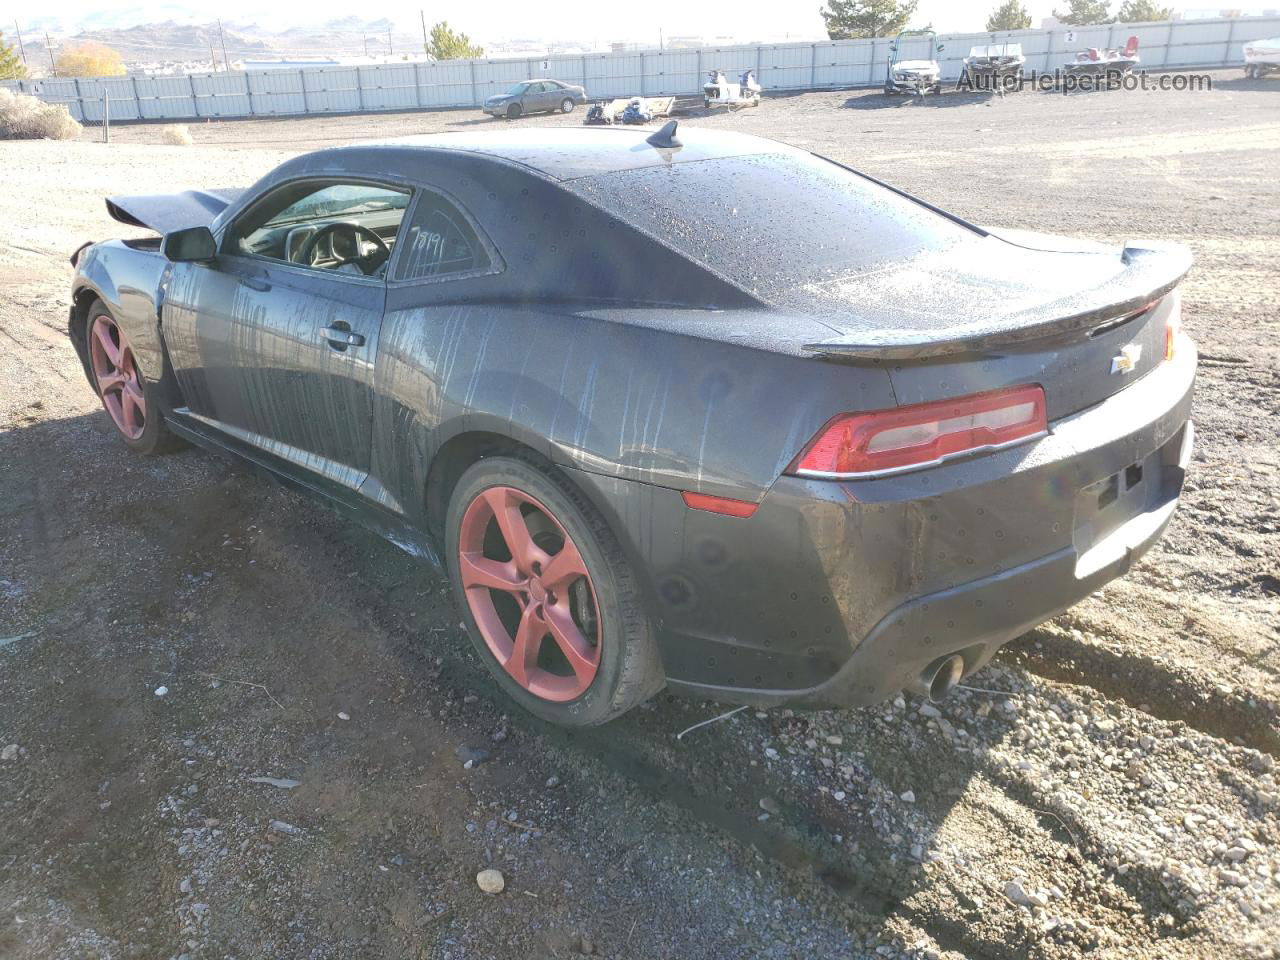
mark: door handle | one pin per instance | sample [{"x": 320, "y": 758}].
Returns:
[
  {"x": 340, "y": 335},
  {"x": 255, "y": 284}
]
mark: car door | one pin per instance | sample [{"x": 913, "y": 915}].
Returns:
[
  {"x": 535, "y": 97},
  {"x": 279, "y": 353}
]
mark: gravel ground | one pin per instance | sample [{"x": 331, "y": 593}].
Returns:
[{"x": 1105, "y": 788}]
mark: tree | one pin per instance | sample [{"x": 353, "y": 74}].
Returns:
[
  {"x": 1082, "y": 13},
  {"x": 1142, "y": 11},
  {"x": 89, "y": 60},
  {"x": 854, "y": 19},
  {"x": 1010, "y": 15},
  {"x": 11, "y": 67},
  {"x": 447, "y": 45}
]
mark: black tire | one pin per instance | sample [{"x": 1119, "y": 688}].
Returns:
[
  {"x": 513, "y": 111},
  {"x": 566, "y": 105},
  {"x": 156, "y": 438},
  {"x": 630, "y": 670}
]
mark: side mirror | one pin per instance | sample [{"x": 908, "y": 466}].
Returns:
[{"x": 191, "y": 244}]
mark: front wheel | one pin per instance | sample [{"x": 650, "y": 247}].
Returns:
[
  {"x": 548, "y": 598},
  {"x": 131, "y": 401},
  {"x": 513, "y": 111},
  {"x": 566, "y": 105}
]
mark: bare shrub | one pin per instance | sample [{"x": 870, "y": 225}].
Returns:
[
  {"x": 176, "y": 134},
  {"x": 27, "y": 118}
]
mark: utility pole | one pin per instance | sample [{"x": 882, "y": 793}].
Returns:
[
  {"x": 388, "y": 42},
  {"x": 21, "y": 49},
  {"x": 53, "y": 67},
  {"x": 213, "y": 60},
  {"x": 366, "y": 46},
  {"x": 426, "y": 43},
  {"x": 226, "y": 63}
]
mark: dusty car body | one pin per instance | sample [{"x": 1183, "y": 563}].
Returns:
[
  {"x": 918, "y": 74},
  {"x": 535, "y": 96},
  {"x": 813, "y": 473}
]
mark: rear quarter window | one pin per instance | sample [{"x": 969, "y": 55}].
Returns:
[{"x": 439, "y": 242}]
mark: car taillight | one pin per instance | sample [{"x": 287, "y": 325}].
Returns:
[
  {"x": 1174, "y": 325},
  {"x": 921, "y": 435},
  {"x": 731, "y": 508}
]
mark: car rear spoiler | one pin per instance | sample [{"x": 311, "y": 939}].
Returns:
[
  {"x": 166, "y": 212},
  {"x": 1149, "y": 273}
]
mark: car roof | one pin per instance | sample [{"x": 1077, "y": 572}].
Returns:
[{"x": 568, "y": 154}]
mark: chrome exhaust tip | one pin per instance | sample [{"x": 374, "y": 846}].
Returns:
[{"x": 938, "y": 678}]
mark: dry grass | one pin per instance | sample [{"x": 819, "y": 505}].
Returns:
[
  {"x": 26, "y": 118},
  {"x": 176, "y": 134}
]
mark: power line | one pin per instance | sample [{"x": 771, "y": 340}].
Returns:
[
  {"x": 225, "y": 61},
  {"x": 21, "y": 48}
]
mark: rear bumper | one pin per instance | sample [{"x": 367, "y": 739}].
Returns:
[
  {"x": 840, "y": 593},
  {"x": 973, "y": 620}
]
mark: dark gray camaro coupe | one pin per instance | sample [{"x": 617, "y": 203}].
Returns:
[{"x": 717, "y": 414}]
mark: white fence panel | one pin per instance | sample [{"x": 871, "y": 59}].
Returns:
[
  {"x": 392, "y": 87},
  {"x": 447, "y": 84},
  {"x": 164, "y": 98},
  {"x": 277, "y": 92},
  {"x": 786, "y": 67},
  {"x": 615, "y": 75},
  {"x": 336, "y": 90},
  {"x": 221, "y": 95},
  {"x": 670, "y": 72},
  {"x": 847, "y": 63}
]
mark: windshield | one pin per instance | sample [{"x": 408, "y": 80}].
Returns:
[
  {"x": 997, "y": 50},
  {"x": 340, "y": 200},
  {"x": 516, "y": 90}
]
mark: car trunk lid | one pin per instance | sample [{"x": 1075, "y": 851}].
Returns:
[{"x": 1081, "y": 321}]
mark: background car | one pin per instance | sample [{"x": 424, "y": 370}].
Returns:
[
  {"x": 656, "y": 428},
  {"x": 535, "y": 96}
]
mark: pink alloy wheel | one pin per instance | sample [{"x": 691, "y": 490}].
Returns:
[
  {"x": 117, "y": 376},
  {"x": 530, "y": 594}
]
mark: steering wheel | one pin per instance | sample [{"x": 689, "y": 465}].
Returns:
[{"x": 368, "y": 264}]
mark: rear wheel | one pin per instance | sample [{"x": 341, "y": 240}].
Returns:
[
  {"x": 566, "y": 105},
  {"x": 513, "y": 111},
  {"x": 130, "y": 401},
  {"x": 547, "y": 596}
]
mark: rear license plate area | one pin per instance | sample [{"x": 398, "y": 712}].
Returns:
[
  {"x": 1109, "y": 503},
  {"x": 1137, "y": 488}
]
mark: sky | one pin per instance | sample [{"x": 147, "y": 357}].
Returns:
[{"x": 504, "y": 19}]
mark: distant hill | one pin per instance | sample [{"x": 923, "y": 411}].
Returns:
[{"x": 182, "y": 40}]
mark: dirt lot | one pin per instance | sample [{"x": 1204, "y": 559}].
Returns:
[{"x": 1113, "y": 769}]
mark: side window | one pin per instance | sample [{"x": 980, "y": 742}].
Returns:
[
  {"x": 439, "y": 241},
  {"x": 347, "y": 228}
]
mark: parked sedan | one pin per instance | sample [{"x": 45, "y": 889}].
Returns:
[
  {"x": 698, "y": 410},
  {"x": 535, "y": 96}
]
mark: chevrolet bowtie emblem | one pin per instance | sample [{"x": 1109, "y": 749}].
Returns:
[{"x": 1127, "y": 359}]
